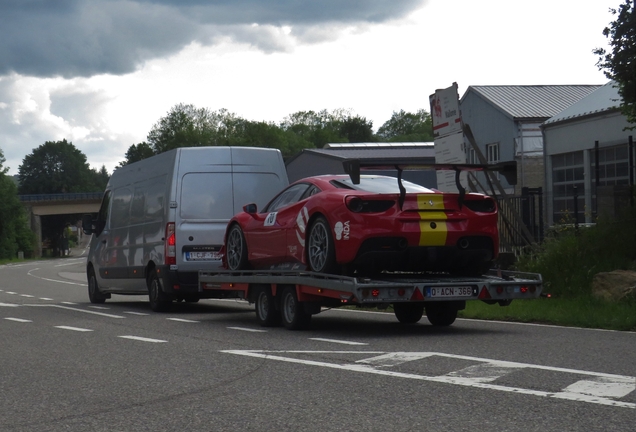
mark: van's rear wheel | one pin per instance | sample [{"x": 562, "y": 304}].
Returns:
[
  {"x": 267, "y": 313},
  {"x": 293, "y": 312},
  {"x": 94, "y": 295},
  {"x": 159, "y": 301},
  {"x": 236, "y": 250}
]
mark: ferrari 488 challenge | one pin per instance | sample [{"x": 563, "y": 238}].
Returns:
[{"x": 332, "y": 224}]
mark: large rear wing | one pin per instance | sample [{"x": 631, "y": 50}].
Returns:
[{"x": 354, "y": 166}]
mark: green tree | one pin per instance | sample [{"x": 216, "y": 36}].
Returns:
[
  {"x": 356, "y": 129},
  {"x": 100, "y": 178},
  {"x": 137, "y": 152},
  {"x": 618, "y": 63},
  {"x": 317, "y": 128},
  {"x": 56, "y": 167},
  {"x": 407, "y": 127},
  {"x": 15, "y": 234},
  {"x": 189, "y": 126}
]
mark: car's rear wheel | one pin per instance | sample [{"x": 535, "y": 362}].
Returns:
[
  {"x": 321, "y": 250},
  {"x": 408, "y": 313},
  {"x": 236, "y": 249}
]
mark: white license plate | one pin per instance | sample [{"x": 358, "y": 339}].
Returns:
[
  {"x": 460, "y": 291},
  {"x": 202, "y": 256}
]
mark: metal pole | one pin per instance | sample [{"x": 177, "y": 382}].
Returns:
[
  {"x": 597, "y": 172},
  {"x": 576, "y": 210}
]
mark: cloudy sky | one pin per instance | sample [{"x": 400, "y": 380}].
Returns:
[{"x": 100, "y": 73}]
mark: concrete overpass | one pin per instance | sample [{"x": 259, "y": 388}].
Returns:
[{"x": 57, "y": 204}]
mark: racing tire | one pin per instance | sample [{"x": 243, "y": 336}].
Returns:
[
  {"x": 408, "y": 313},
  {"x": 292, "y": 311},
  {"x": 94, "y": 294},
  {"x": 236, "y": 250},
  {"x": 441, "y": 314},
  {"x": 321, "y": 250},
  {"x": 159, "y": 301},
  {"x": 267, "y": 312}
]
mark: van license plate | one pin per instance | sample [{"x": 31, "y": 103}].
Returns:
[
  {"x": 457, "y": 291},
  {"x": 202, "y": 256}
]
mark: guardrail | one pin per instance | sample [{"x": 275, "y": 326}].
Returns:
[{"x": 62, "y": 197}]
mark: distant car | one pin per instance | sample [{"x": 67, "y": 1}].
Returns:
[{"x": 331, "y": 224}]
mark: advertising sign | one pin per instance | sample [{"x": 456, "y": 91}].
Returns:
[{"x": 445, "y": 112}]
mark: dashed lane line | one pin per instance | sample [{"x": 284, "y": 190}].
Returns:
[
  {"x": 77, "y": 329},
  {"x": 338, "y": 341},
  {"x": 18, "y": 320},
  {"x": 182, "y": 320},
  {"x": 77, "y": 310},
  {"x": 136, "y": 313},
  {"x": 143, "y": 339},
  {"x": 248, "y": 329}
]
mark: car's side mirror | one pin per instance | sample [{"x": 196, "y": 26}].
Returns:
[
  {"x": 87, "y": 224},
  {"x": 250, "y": 208}
]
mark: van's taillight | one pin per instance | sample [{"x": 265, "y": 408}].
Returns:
[{"x": 171, "y": 245}]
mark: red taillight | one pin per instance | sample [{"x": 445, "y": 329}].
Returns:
[
  {"x": 359, "y": 205},
  {"x": 171, "y": 245}
]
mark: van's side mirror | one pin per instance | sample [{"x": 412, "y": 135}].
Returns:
[
  {"x": 250, "y": 208},
  {"x": 87, "y": 224}
]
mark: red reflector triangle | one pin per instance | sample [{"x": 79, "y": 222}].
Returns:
[
  {"x": 417, "y": 295},
  {"x": 484, "y": 294}
]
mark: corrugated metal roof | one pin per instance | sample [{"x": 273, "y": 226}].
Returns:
[
  {"x": 605, "y": 98},
  {"x": 533, "y": 101},
  {"x": 377, "y": 144},
  {"x": 370, "y": 152}
]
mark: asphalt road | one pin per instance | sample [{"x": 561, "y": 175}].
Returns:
[{"x": 67, "y": 365}]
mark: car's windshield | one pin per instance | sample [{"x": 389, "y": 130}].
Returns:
[{"x": 379, "y": 184}]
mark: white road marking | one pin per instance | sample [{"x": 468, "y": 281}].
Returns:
[
  {"x": 143, "y": 339},
  {"x": 26, "y": 295},
  {"x": 11, "y": 292},
  {"x": 394, "y": 358},
  {"x": 338, "y": 341},
  {"x": 46, "y": 298},
  {"x": 18, "y": 320},
  {"x": 54, "y": 280},
  {"x": 99, "y": 307},
  {"x": 77, "y": 310},
  {"x": 78, "y": 329},
  {"x": 68, "y": 303},
  {"x": 136, "y": 313},
  {"x": 248, "y": 329},
  {"x": 182, "y": 320},
  {"x": 70, "y": 263},
  {"x": 9, "y": 305},
  {"x": 602, "y": 388}
]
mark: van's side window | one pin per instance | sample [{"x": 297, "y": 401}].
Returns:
[
  {"x": 120, "y": 216},
  {"x": 102, "y": 216}
]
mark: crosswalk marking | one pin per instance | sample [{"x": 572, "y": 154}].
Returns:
[{"x": 600, "y": 388}]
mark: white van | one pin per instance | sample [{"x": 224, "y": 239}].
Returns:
[{"x": 163, "y": 219}]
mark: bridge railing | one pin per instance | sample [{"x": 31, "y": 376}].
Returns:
[{"x": 62, "y": 196}]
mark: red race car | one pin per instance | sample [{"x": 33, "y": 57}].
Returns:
[{"x": 361, "y": 225}]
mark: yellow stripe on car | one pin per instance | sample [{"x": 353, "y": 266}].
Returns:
[{"x": 433, "y": 228}]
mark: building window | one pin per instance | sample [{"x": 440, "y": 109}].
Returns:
[
  {"x": 567, "y": 181},
  {"x": 492, "y": 153},
  {"x": 613, "y": 166},
  {"x": 471, "y": 157}
]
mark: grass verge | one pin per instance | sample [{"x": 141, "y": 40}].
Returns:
[{"x": 584, "y": 311}]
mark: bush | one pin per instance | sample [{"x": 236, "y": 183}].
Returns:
[{"x": 568, "y": 259}]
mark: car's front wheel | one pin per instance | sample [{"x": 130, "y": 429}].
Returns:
[{"x": 321, "y": 250}]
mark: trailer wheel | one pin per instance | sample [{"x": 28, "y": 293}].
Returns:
[
  {"x": 267, "y": 314},
  {"x": 321, "y": 251},
  {"x": 441, "y": 314},
  {"x": 292, "y": 311},
  {"x": 94, "y": 294},
  {"x": 408, "y": 313},
  {"x": 159, "y": 301},
  {"x": 236, "y": 249}
]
